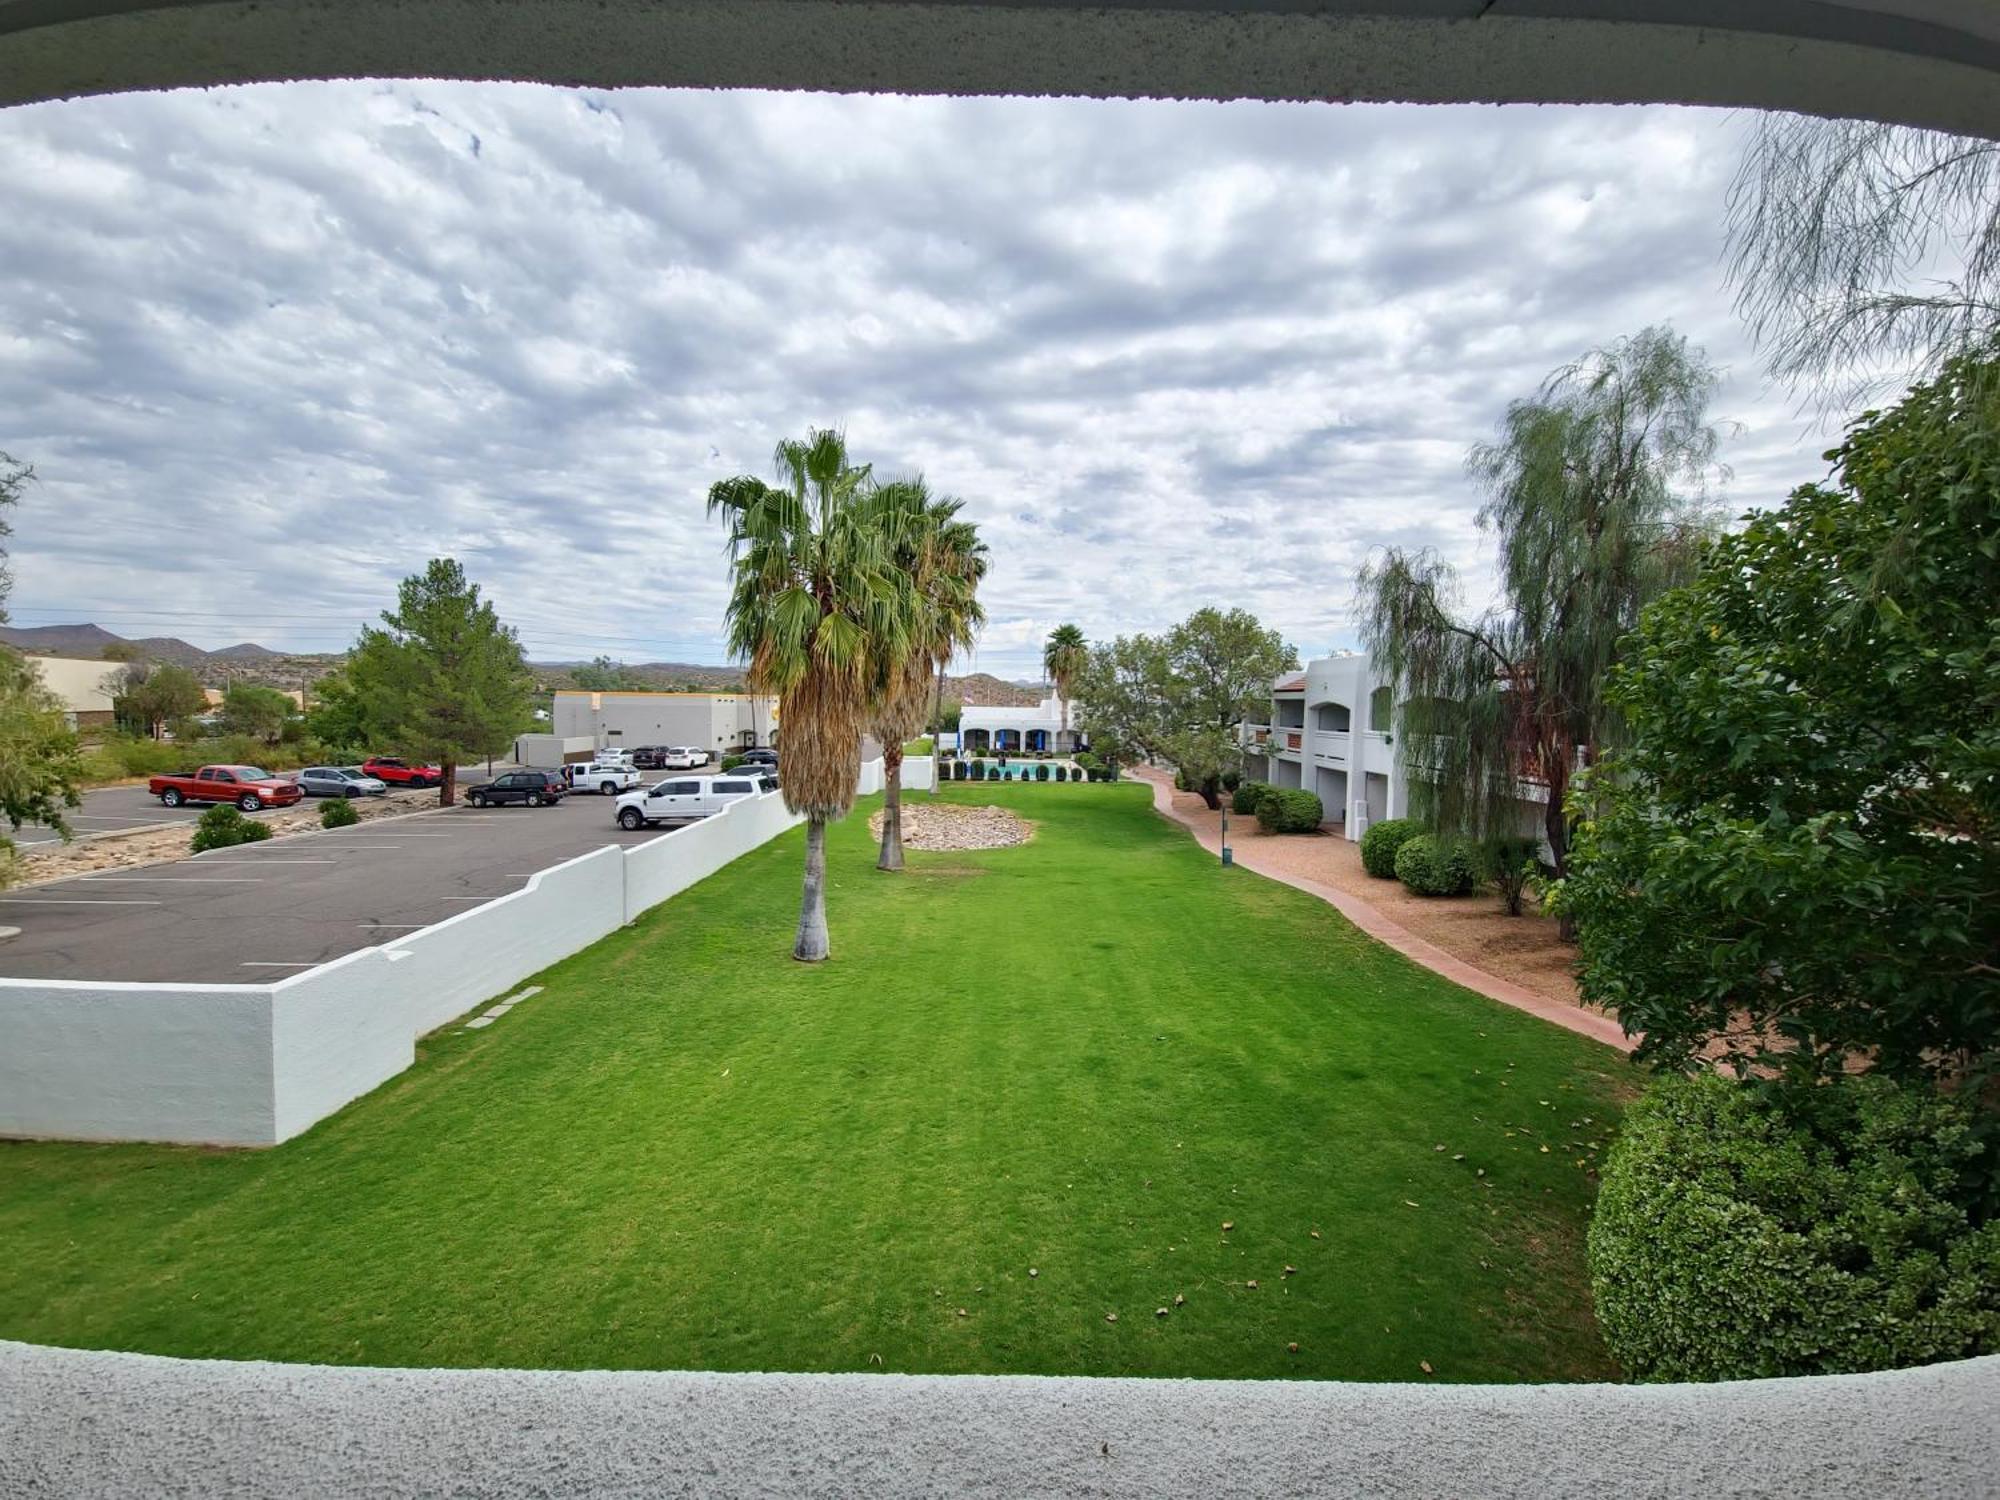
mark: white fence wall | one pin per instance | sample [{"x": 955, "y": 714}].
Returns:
[
  {"x": 136, "y": 1062},
  {"x": 255, "y": 1064}
]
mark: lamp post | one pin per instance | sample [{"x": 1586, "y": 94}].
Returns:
[{"x": 1227, "y": 857}]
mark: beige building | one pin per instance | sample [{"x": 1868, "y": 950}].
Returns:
[
  {"x": 715, "y": 722},
  {"x": 85, "y": 687}
]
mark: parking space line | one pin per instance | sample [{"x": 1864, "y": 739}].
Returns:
[
  {"x": 313, "y": 963},
  {"x": 174, "y": 879},
  {"x": 392, "y": 926},
  {"x": 214, "y": 862},
  {"x": 67, "y": 901}
]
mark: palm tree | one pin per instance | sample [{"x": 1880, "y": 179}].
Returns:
[
  {"x": 815, "y": 602},
  {"x": 1063, "y": 661},
  {"x": 943, "y": 559}
]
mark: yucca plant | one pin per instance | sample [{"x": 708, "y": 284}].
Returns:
[{"x": 816, "y": 603}]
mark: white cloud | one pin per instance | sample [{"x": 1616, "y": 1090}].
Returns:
[{"x": 269, "y": 348}]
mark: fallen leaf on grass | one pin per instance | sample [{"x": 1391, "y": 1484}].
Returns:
[
  {"x": 1111, "y": 1317},
  {"x": 1425, "y": 1366}
]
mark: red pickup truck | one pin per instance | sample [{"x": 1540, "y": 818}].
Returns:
[
  {"x": 247, "y": 786},
  {"x": 401, "y": 772}
]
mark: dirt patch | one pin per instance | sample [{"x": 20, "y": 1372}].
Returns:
[
  {"x": 1476, "y": 929},
  {"x": 153, "y": 846},
  {"x": 948, "y": 826}
]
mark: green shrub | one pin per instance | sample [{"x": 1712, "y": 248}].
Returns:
[
  {"x": 1088, "y": 761},
  {"x": 1509, "y": 865},
  {"x": 959, "y": 771},
  {"x": 1041, "y": 773},
  {"x": 223, "y": 827},
  {"x": 730, "y": 762},
  {"x": 1231, "y": 780},
  {"x": 1247, "y": 795},
  {"x": 337, "y": 812},
  {"x": 1380, "y": 841},
  {"x": 1430, "y": 867},
  {"x": 1289, "y": 810},
  {"x": 1733, "y": 1239}
]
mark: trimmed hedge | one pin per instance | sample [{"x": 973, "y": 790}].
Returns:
[
  {"x": 223, "y": 827},
  {"x": 1289, "y": 810},
  {"x": 1430, "y": 868},
  {"x": 1733, "y": 1241},
  {"x": 338, "y": 812},
  {"x": 1231, "y": 780},
  {"x": 1247, "y": 795},
  {"x": 1042, "y": 772},
  {"x": 730, "y": 762},
  {"x": 1380, "y": 841}
]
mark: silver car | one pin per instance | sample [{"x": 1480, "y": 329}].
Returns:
[{"x": 338, "y": 781}]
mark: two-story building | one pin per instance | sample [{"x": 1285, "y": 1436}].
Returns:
[{"x": 1330, "y": 731}]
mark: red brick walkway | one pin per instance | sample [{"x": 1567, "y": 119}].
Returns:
[{"x": 1593, "y": 1024}]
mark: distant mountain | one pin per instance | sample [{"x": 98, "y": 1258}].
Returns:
[
  {"x": 247, "y": 662},
  {"x": 58, "y": 640},
  {"x": 988, "y": 691}
]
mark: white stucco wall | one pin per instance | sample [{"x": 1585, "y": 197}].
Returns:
[{"x": 147, "y": 1062}]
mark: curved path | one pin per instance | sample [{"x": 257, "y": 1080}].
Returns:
[{"x": 1593, "y": 1024}]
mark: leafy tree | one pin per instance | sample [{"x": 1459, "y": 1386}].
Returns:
[
  {"x": 444, "y": 677},
  {"x": 1179, "y": 697},
  {"x": 946, "y": 718},
  {"x": 940, "y": 560},
  {"x": 121, "y": 651},
  {"x": 815, "y": 604},
  {"x": 1590, "y": 527},
  {"x": 1797, "y": 862},
  {"x": 154, "y": 696},
  {"x": 339, "y": 716},
  {"x": 1854, "y": 244},
  {"x": 260, "y": 712},
  {"x": 603, "y": 675},
  {"x": 14, "y": 477},
  {"x": 40, "y": 763},
  {"x": 1064, "y": 656}
]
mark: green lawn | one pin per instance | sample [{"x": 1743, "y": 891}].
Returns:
[{"x": 1082, "y": 1055}]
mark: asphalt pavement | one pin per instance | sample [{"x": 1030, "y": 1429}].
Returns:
[{"x": 259, "y": 911}]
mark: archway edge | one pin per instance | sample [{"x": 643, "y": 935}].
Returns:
[{"x": 1923, "y": 62}]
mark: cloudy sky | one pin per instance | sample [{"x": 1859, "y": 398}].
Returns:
[{"x": 271, "y": 348}]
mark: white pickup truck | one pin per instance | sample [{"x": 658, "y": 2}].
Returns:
[
  {"x": 688, "y": 797},
  {"x": 604, "y": 776}
]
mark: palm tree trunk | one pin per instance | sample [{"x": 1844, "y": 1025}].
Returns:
[
  {"x": 892, "y": 808},
  {"x": 448, "y": 784},
  {"x": 812, "y": 944},
  {"x": 937, "y": 734}
]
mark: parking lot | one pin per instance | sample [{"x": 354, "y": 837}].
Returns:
[
  {"x": 260, "y": 911},
  {"x": 121, "y": 809}
]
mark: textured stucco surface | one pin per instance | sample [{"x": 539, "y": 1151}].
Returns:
[
  {"x": 87, "y": 1424},
  {"x": 1934, "y": 62}
]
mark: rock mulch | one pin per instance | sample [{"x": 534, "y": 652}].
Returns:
[
  {"x": 948, "y": 826},
  {"x": 152, "y": 846}
]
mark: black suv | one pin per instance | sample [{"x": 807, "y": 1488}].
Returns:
[
  {"x": 760, "y": 757},
  {"x": 650, "y": 758},
  {"x": 532, "y": 788}
]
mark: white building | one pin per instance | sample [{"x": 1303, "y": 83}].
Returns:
[
  {"x": 987, "y": 729},
  {"x": 715, "y": 722},
  {"x": 1331, "y": 732}
]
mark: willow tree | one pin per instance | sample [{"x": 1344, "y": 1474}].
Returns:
[
  {"x": 1859, "y": 249},
  {"x": 1583, "y": 501},
  {"x": 1064, "y": 656},
  {"x": 816, "y": 601},
  {"x": 942, "y": 561}
]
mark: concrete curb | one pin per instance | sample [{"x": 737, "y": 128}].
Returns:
[
  {"x": 1593, "y": 1024},
  {"x": 81, "y": 1423}
]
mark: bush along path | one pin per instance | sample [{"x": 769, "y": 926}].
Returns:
[{"x": 1593, "y": 1024}]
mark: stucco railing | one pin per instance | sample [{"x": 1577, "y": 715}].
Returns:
[{"x": 77, "y": 1423}]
